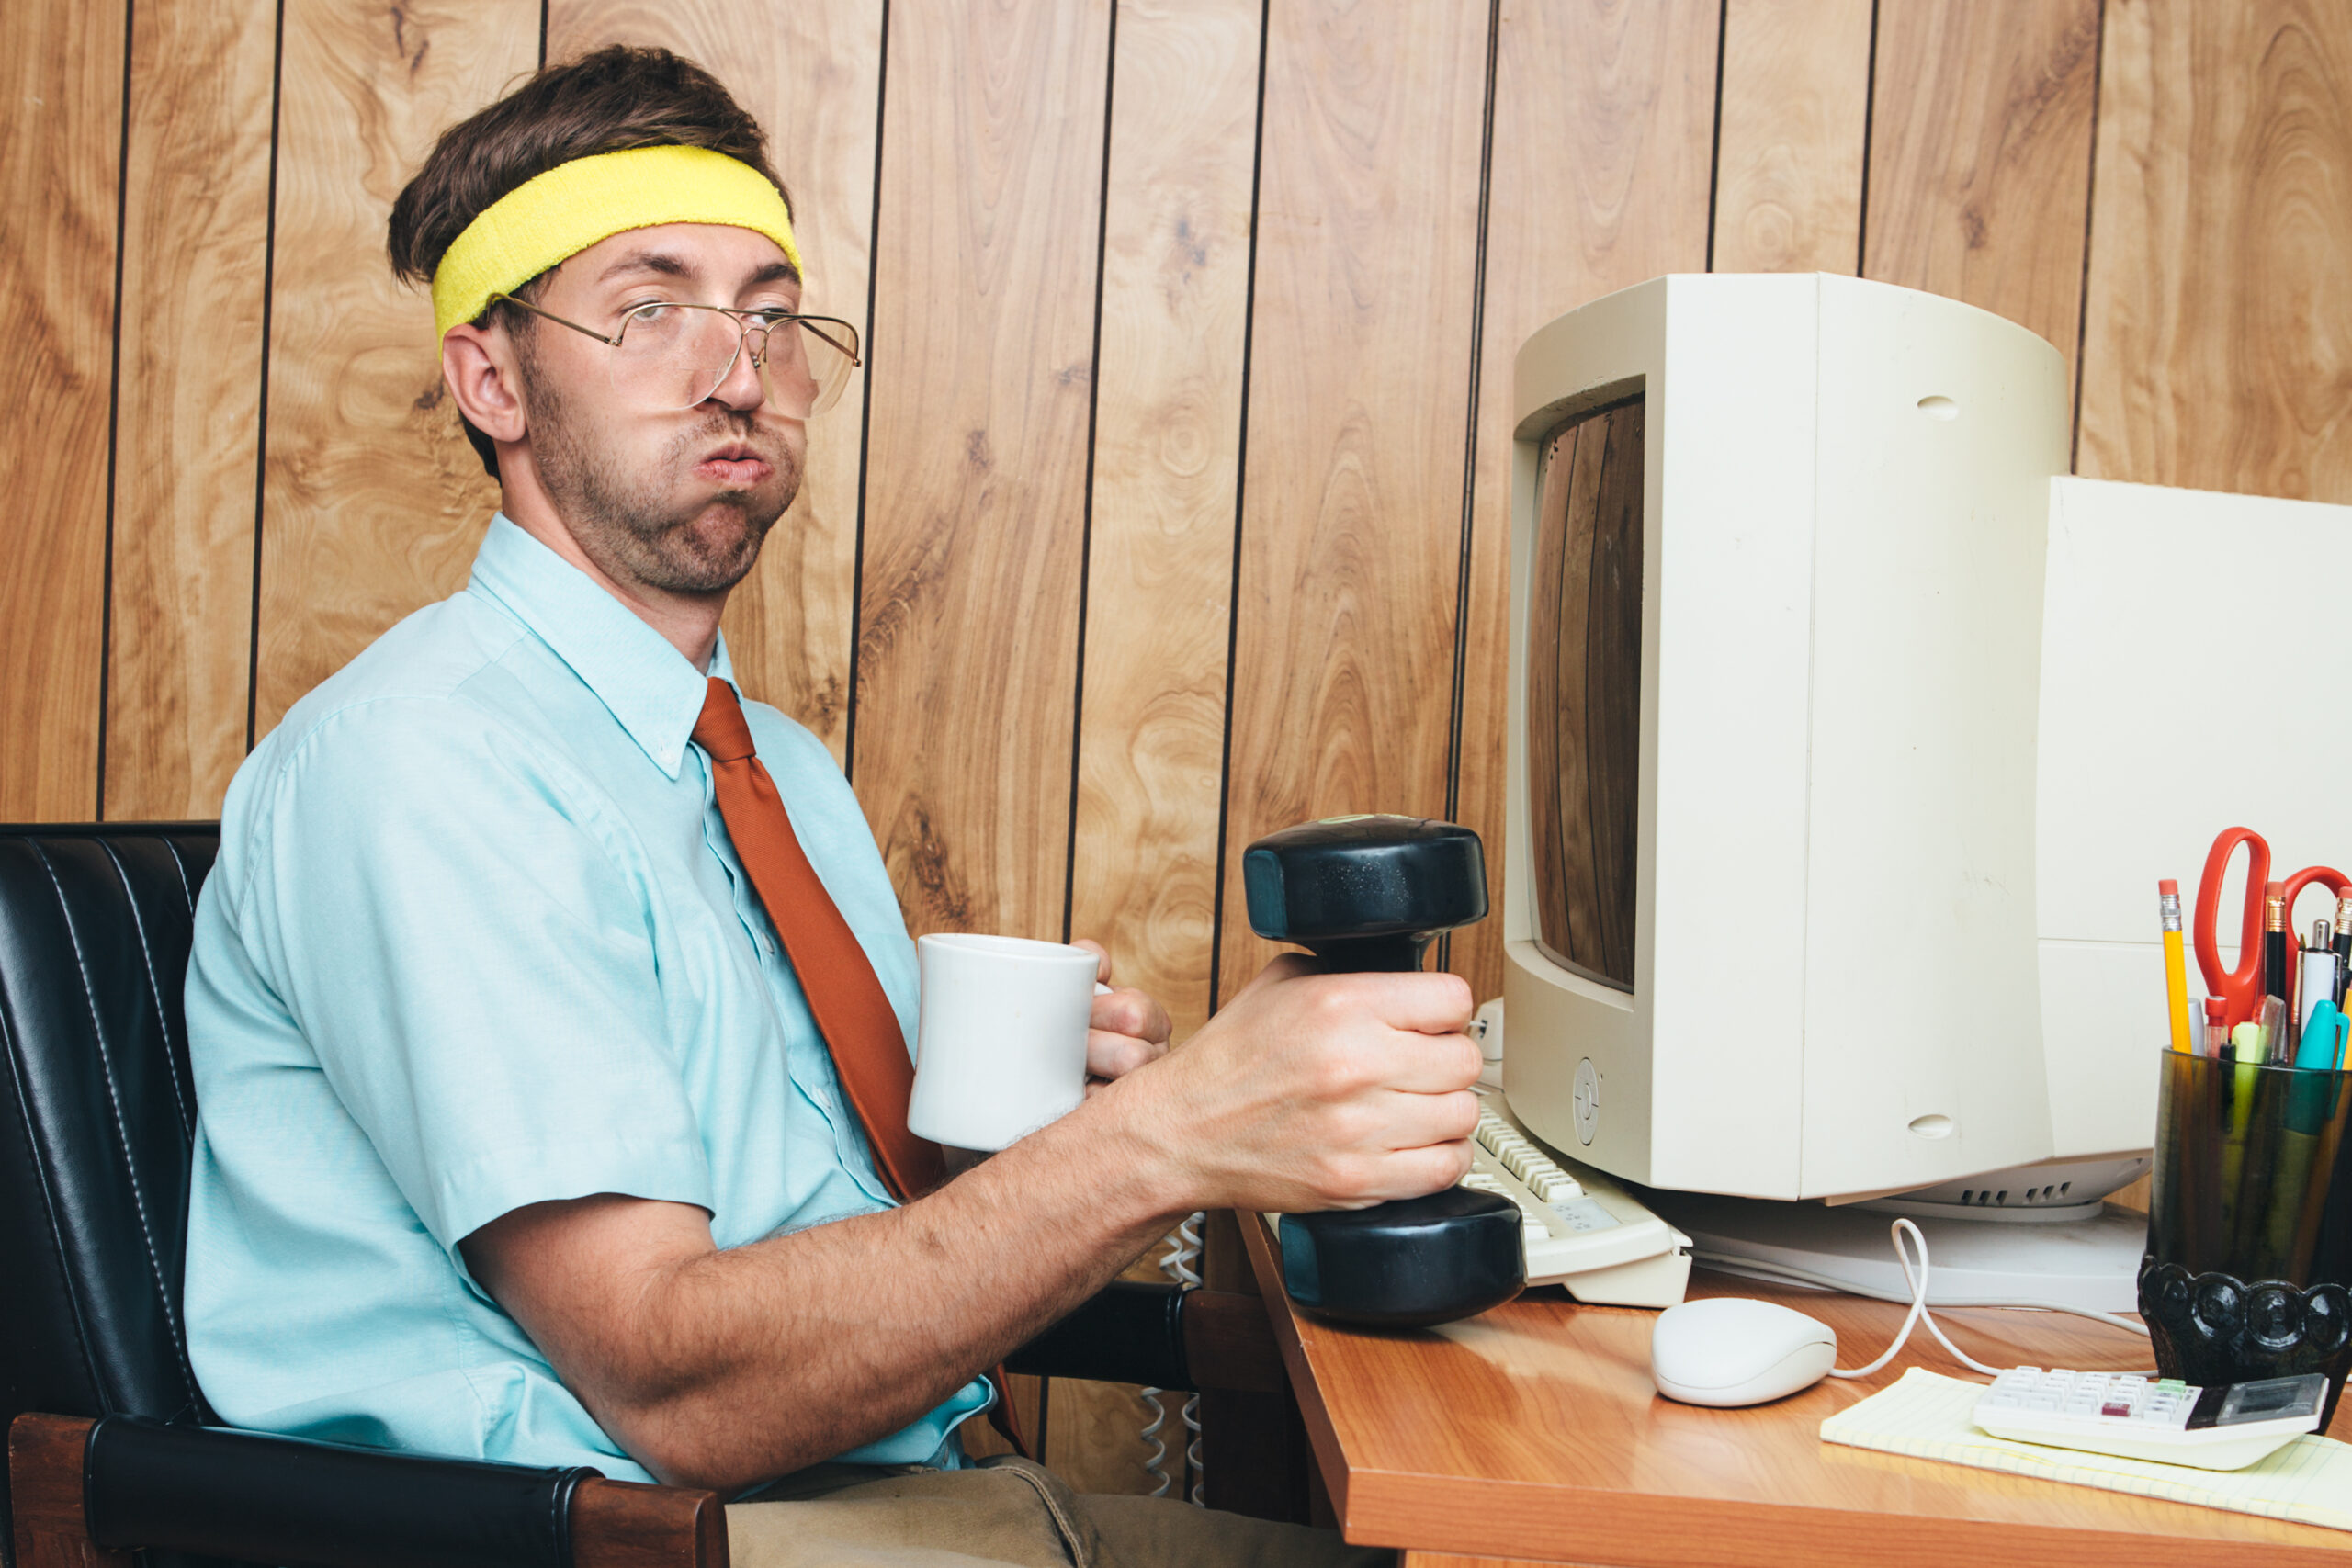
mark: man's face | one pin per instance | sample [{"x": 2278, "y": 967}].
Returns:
[{"x": 676, "y": 499}]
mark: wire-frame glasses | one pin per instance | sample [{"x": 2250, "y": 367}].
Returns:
[{"x": 668, "y": 355}]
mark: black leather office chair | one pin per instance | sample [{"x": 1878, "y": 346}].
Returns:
[{"x": 110, "y": 1445}]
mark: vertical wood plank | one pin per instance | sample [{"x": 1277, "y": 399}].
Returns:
[
  {"x": 372, "y": 500},
  {"x": 61, "y": 153},
  {"x": 1599, "y": 181},
  {"x": 982, "y": 375},
  {"x": 1796, "y": 77},
  {"x": 1980, "y": 156},
  {"x": 196, "y": 227},
  {"x": 2218, "y": 343},
  {"x": 1167, "y": 456},
  {"x": 812, "y": 74},
  {"x": 1351, "y": 528}
]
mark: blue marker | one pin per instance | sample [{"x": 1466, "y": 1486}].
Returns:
[
  {"x": 2322, "y": 1041},
  {"x": 2310, "y": 1097}
]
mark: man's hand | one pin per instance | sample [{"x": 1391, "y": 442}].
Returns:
[
  {"x": 1312, "y": 1091},
  {"x": 1127, "y": 1029}
]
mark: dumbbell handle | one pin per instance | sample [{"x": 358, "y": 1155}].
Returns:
[{"x": 1372, "y": 954}]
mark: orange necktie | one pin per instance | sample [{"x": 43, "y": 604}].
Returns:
[{"x": 859, "y": 1025}]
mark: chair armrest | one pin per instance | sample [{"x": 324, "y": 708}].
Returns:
[
  {"x": 1162, "y": 1337},
  {"x": 88, "y": 1494}
]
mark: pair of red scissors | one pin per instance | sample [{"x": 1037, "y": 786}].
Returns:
[{"x": 2241, "y": 989}]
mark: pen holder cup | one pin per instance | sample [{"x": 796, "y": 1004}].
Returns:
[{"x": 2248, "y": 1271}]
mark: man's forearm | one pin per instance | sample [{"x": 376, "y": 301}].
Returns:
[
  {"x": 1306, "y": 1092},
  {"x": 735, "y": 1366}
]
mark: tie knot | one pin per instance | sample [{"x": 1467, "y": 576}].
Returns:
[{"x": 721, "y": 730}]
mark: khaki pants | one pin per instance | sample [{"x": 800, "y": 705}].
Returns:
[{"x": 1007, "y": 1511}]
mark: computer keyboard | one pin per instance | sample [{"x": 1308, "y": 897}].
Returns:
[{"x": 1579, "y": 1228}]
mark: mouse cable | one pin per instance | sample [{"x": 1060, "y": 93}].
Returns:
[{"x": 1919, "y": 1312}]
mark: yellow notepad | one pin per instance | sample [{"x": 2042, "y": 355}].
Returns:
[{"x": 2309, "y": 1481}]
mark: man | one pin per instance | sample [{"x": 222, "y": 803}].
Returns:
[{"x": 549, "y": 1003}]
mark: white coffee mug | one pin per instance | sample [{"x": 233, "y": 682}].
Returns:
[{"x": 1000, "y": 1049}]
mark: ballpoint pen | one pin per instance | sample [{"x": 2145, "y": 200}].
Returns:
[{"x": 2315, "y": 984}]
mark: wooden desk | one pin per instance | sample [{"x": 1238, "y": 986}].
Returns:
[{"x": 1532, "y": 1433}]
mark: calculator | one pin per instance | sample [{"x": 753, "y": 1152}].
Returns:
[{"x": 2171, "y": 1422}]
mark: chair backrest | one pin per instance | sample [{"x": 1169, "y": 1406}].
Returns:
[{"x": 98, "y": 1113}]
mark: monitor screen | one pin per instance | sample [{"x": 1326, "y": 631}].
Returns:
[{"x": 1583, "y": 694}]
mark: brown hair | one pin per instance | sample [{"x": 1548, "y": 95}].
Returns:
[{"x": 617, "y": 97}]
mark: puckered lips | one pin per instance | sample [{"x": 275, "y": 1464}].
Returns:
[{"x": 733, "y": 463}]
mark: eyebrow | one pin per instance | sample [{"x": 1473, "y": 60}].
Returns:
[
  {"x": 669, "y": 265},
  {"x": 662, "y": 262}
]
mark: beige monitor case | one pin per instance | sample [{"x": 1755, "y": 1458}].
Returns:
[{"x": 1782, "y": 942}]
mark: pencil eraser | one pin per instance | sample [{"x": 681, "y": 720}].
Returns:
[
  {"x": 2169, "y": 887},
  {"x": 2274, "y": 889}
]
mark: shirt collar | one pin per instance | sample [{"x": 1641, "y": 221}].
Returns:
[{"x": 649, "y": 689}]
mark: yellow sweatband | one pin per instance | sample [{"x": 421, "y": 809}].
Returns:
[{"x": 563, "y": 212}]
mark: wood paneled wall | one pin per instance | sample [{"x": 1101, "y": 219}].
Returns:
[{"x": 1173, "y": 506}]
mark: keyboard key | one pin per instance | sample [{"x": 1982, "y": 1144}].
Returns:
[{"x": 1584, "y": 1215}]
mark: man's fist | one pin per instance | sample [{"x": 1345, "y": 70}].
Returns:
[{"x": 1311, "y": 1091}]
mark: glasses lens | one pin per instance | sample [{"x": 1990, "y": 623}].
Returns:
[
  {"x": 809, "y": 362},
  {"x": 676, "y": 356},
  {"x": 673, "y": 357}
]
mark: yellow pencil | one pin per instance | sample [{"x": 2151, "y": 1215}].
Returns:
[{"x": 2175, "y": 964}]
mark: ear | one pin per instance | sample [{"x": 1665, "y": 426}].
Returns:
[{"x": 479, "y": 364}]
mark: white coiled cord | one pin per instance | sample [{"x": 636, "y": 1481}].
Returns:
[
  {"x": 1156, "y": 1465},
  {"x": 1180, "y": 1263}
]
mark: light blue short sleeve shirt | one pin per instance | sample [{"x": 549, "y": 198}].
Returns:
[{"x": 477, "y": 939}]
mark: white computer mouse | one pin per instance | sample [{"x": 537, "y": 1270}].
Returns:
[{"x": 1729, "y": 1351}]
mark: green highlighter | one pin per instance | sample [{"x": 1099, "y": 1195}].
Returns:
[{"x": 2250, "y": 1043}]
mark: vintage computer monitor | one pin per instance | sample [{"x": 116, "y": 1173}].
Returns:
[
  {"x": 1776, "y": 616},
  {"x": 1847, "y": 739}
]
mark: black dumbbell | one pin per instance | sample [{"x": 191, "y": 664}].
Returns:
[{"x": 1370, "y": 892}]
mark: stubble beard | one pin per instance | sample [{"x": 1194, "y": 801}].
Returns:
[{"x": 628, "y": 519}]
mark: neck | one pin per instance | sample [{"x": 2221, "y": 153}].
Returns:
[{"x": 687, "y": 622}]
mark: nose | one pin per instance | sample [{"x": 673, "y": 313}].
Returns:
[{"x": 740, "y": 388}]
